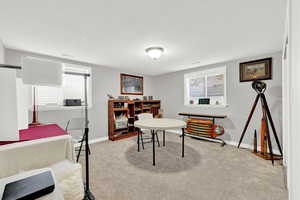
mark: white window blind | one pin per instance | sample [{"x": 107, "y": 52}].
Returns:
[
  {"x": 46, "y": 95},
  {"x": 209, "y": 84},
  {"x": 73, "y": 86},
  {"x": 215, "y": 85},
  {"x": 197, "y": 87}
]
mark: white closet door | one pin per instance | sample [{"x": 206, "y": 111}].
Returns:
[{"x": 8, "y": 105}]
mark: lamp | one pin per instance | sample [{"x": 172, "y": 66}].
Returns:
[
  {"x": 88, "y": 195},
  {"x": 34, "y": 111},
  {"x": 39, "y": 72},
  {"x": 154, "y": 52}
]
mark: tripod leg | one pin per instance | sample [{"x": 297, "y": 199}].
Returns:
[
  {"x": 80, "y": 148},
  {"x": 264, "y": 129},
  {"x": 270, "y": 144},
  {"x": 267, "y": 130},
  {"x": 249, "y": 118},
  {"x": 272, "y": 123}
]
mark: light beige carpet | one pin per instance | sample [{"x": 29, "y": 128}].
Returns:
[{"x": 208, "y": 172}]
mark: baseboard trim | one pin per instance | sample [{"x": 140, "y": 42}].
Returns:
[
  {"x": 93, "y": 141},
  {"x": 102, "y": 139},
  {"x": 248, "y": 146},
  {"x": 229, "y": 142},
  {"x": 232, "y": 143}
]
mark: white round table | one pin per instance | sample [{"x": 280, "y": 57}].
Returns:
[{"x": 156, "y": 124}]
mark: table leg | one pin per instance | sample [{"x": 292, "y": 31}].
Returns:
[
  {"x": 158, "y": 144},
  {"x": 142, "y": 140},
  {"x": 164, "y": 138},
  {"x": 153, "y": 141},
  {"x": 182, "y": 142},
  {"x": 138, "y": 140}
]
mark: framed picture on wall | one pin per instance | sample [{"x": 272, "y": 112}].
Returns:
[
  {"x": 256, "y": 70},
  {"x": 132, "y": 85}
]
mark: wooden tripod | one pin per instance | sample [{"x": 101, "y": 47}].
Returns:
[{"x": 265, "y": 128}]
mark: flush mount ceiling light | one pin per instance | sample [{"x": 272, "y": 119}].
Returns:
[{"x": 154, "y": 52}]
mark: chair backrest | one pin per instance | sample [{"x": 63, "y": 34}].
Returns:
[
  {"x": 143, "y": 116},
  {"x": 75, "y": 124}
]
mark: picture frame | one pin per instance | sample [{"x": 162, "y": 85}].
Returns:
[
  {"x": 256, "y": 70},
  {"x": 131, "y": 84}
]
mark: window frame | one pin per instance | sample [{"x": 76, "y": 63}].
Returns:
[{"x": 205, "y": 73}]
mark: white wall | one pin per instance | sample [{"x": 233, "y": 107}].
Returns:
[
  {"x": 294, "y": 65},
  {"x": 1, "y": 52},
  {"x": 240, "y": 98},
  {"x": 286, "y": 97},
  {"x": 104, "y": 81}
]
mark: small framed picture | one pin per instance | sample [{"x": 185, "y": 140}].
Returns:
[
  {"x": 131, "y": 84},
  {"x": 256, "y": 70}
]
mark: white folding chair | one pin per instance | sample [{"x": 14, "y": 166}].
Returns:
[
  {"x": 144, "y": 116},
  {"x": 75, "y": 127}
]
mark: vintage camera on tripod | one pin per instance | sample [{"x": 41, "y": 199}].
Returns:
[{"x": 259, "y": 86}]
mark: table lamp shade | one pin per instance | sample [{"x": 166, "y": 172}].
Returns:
[{"x": 41, "y": 72}]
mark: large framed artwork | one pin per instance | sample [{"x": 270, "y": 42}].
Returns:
[
  {"x": 132, "y": 85},
  {"x": 256, "y": 70}
]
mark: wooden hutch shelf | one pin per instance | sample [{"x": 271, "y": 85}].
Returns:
[
  {"x": 128, "y": 109},
  {"x": 120, "y": 109}
]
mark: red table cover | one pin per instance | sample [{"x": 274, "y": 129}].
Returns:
[{"x": 38, "y": 132}]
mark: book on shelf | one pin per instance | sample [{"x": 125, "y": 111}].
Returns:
[{"x": 122, "y": 115}]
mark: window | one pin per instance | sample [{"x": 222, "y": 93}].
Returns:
[
  {"x": 72, "y": 88},
  {"x": 207, "y": 87}
]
